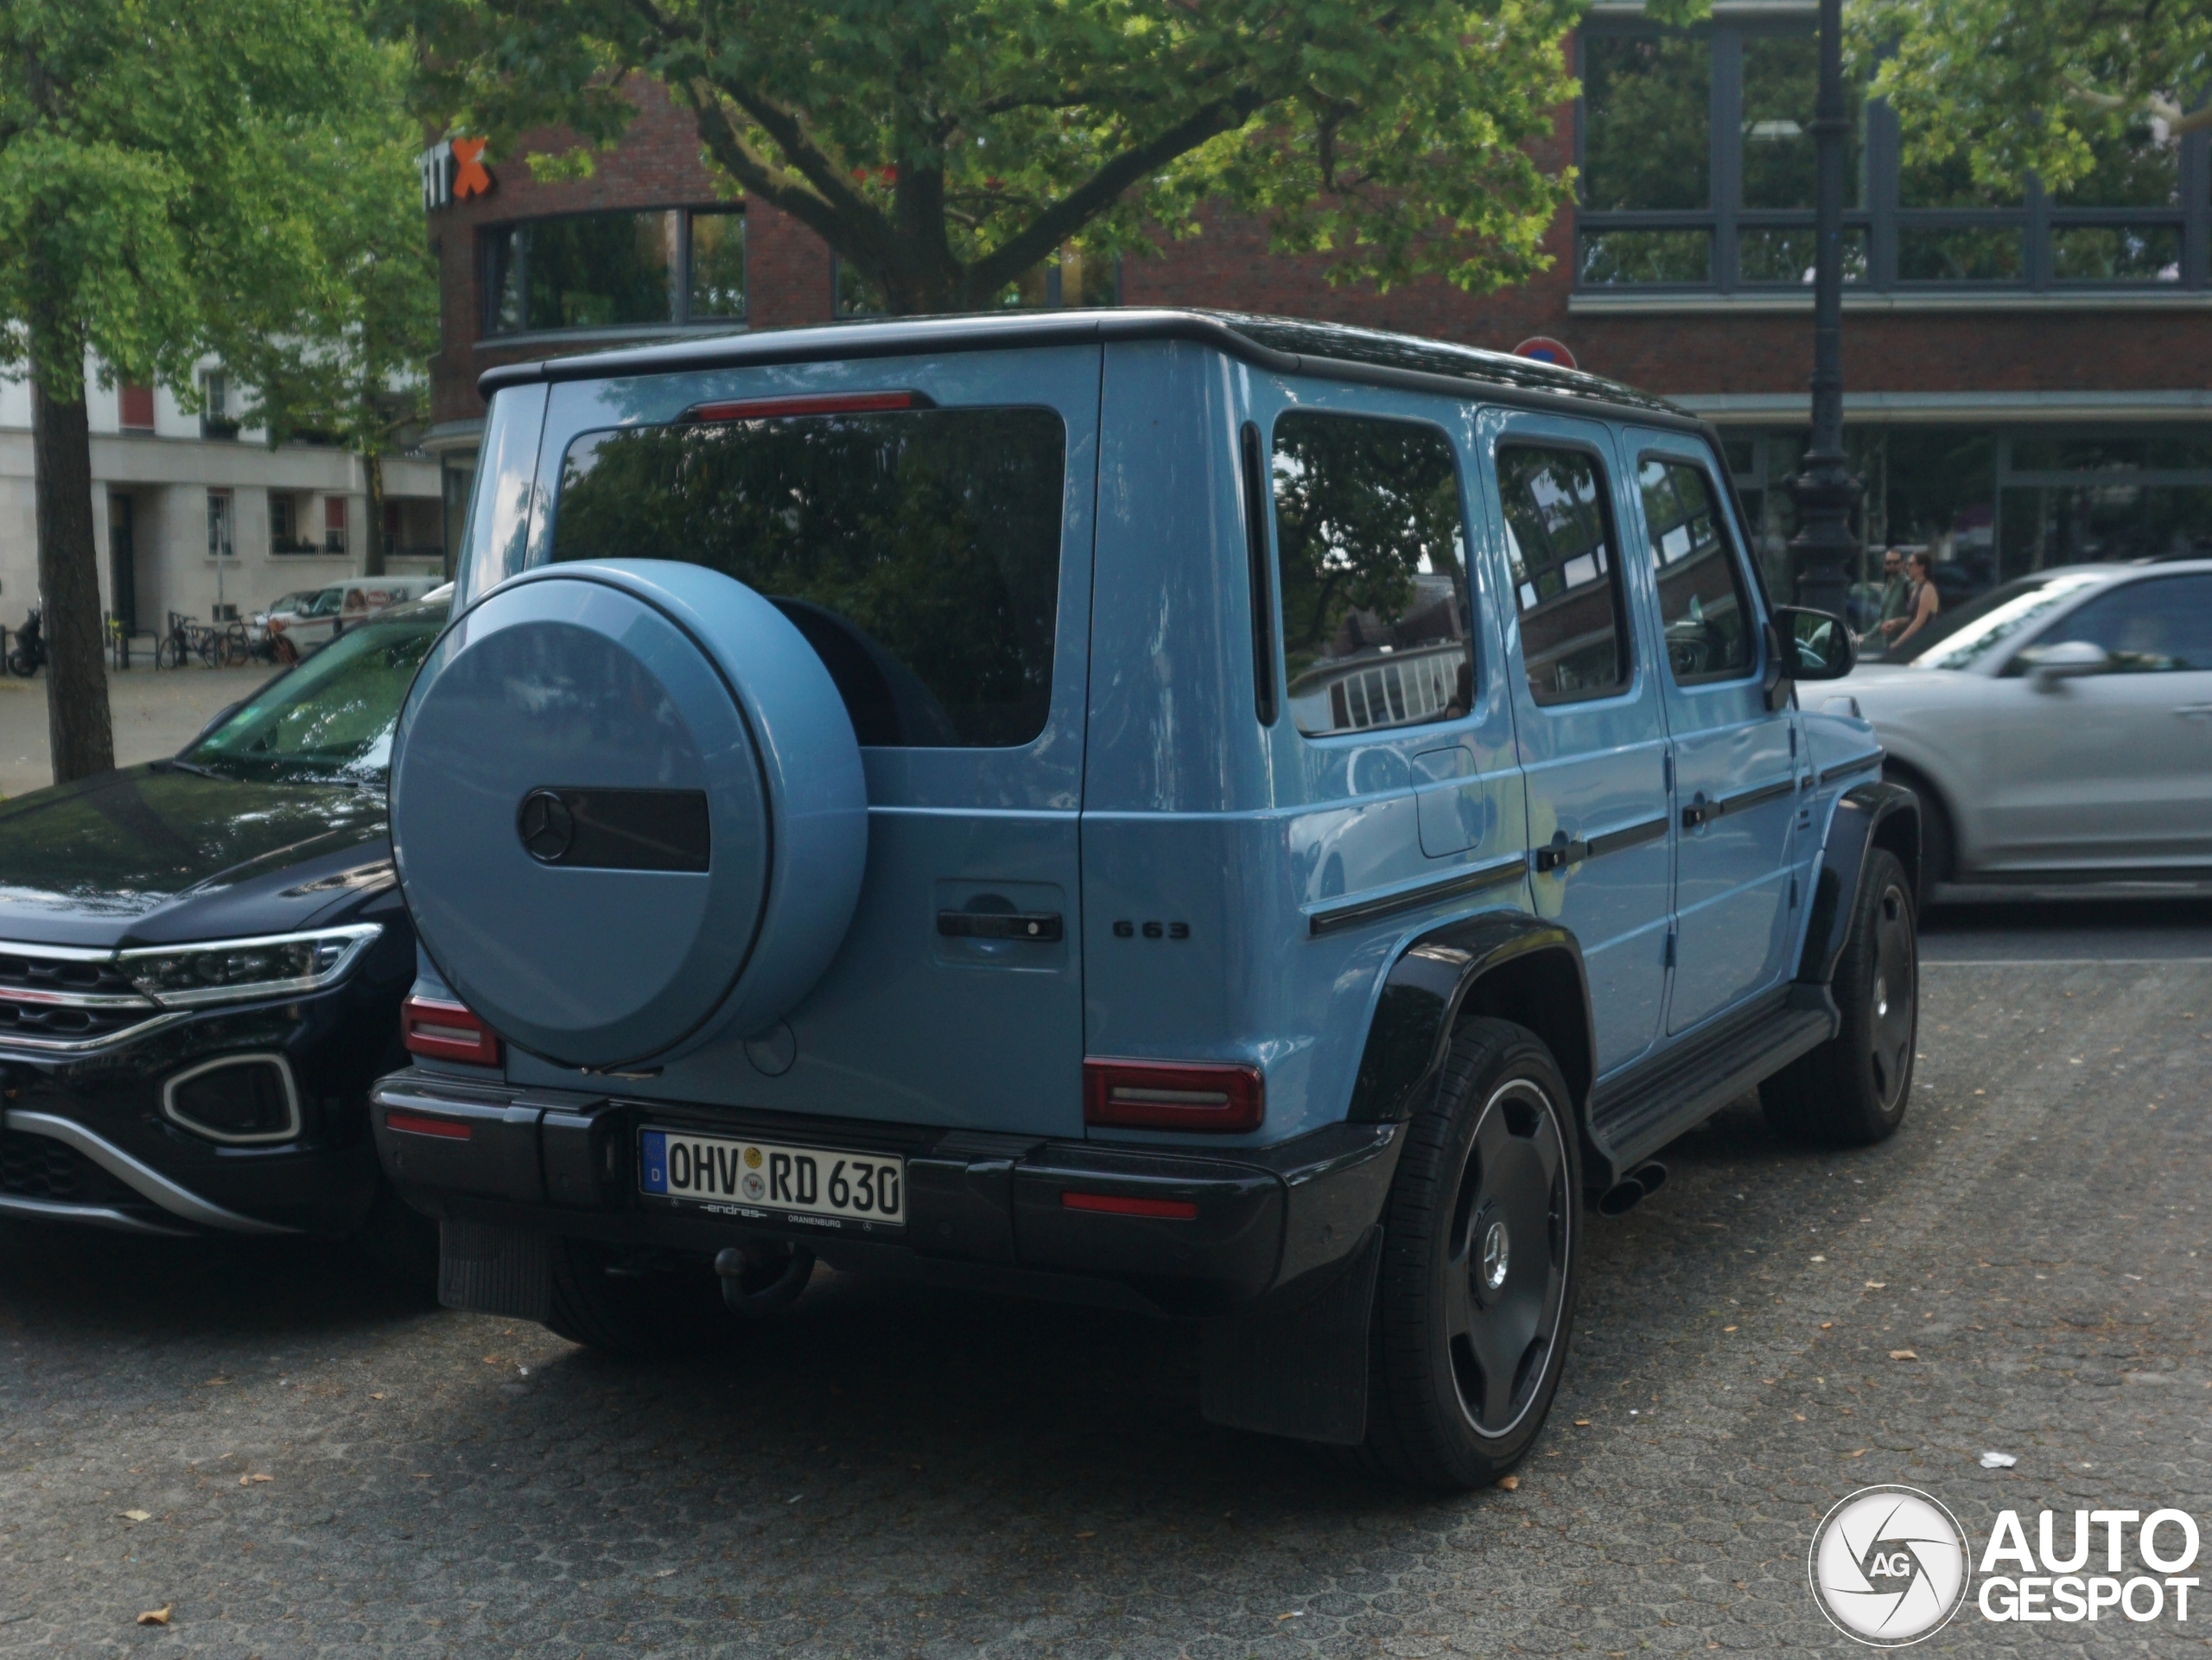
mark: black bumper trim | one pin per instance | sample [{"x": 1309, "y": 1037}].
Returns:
[{"x": 982, "y": 1208}]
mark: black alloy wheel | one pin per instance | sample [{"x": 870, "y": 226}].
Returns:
[
  {"x": 1854, "y": 1090},
  {"x": 1507, "y": 1258},
  {"x": 1481, "y": 1257},
  {"x": 1892, "y": 999}
]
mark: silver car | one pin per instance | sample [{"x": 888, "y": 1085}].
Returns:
[{"x": 2059, "y": 729}]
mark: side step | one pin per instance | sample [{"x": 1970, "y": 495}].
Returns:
[{"x": 1635, "y": 1116}]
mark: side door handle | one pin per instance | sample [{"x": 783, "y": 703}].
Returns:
[
  {"x": 1700, "y": 811},
  {"x": 1561, "y": 851},
  {"x": 2200, "y": 711}
]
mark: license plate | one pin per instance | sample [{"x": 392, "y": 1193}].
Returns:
[{"x": 745, "y": 1176}]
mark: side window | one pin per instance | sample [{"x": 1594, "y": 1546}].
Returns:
[
  {"x": 917, "y": 551},
  {"x": 1703, "y": 606},
  {"x": 2159, "y": 627},
  {"x": 1372, "y": 544},
  {"x": 1567, "y": 578}
]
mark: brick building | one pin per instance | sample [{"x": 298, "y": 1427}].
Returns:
[{"x": 2029, "y": 377}]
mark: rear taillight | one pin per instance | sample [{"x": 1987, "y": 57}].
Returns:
[
  {"x": 441, "y": 1030},
  {"x": 1171, "y": 1210},
  {"x": 1173, "y": 1095}
]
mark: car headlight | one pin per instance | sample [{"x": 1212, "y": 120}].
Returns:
[{"x": 234, "y": 971}]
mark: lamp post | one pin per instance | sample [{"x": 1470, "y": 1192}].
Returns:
[{"x": 1824, "y": 490}]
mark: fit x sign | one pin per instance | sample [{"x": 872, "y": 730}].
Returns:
[{"x": 453, "y": 170}]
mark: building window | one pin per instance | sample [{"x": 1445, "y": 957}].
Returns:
[
  {"x": 1073, "y": 279},
  {"x": 219, "y": 543},
  {"x": 215, "y": 419},
  {"x": 334, "y": 524},
  {"x": 287, "y": 532},
  {"x": 1697, "y": 160},
  {"x": 615, "y": 270},
  {"x": 135, "y": 408}
]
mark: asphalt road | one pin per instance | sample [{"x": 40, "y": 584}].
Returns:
[
  {"x": 325, "y": 1468},
  {"x": 2088, "y": 931}
]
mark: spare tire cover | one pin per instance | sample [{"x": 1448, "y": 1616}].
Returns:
[{"x": 628, "y": 810}]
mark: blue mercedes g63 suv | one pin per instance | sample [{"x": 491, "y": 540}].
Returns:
[{"x": 1261, "y": 822}]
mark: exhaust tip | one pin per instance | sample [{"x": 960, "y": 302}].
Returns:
[
  {"x": 1632, "y": 1189},
  {"x": 763, "y": 1277}
]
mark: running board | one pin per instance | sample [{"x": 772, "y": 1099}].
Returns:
[{"x": 1634, "y": 1115}]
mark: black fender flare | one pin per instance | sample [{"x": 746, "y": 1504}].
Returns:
[
  {"x": 1437, "y": 976},
  {"x": 1869, "y": 816}
]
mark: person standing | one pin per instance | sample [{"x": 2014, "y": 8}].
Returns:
[
  {"x": 1897, "y": 589},
  {"x": 1921, "y": 602}
]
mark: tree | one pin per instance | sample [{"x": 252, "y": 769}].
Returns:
[
  {"x": 347, "y": 363},
  {"x": 944, "y": 147},
  {"x": 2040, "y": 85},
  {"x": 146, "y": 219}
]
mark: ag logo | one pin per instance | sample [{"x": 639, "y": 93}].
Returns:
[{"x": 1889, "y": 1566}]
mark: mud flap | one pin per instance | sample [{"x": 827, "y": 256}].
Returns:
[
  {"x": 1296, "y": 1365},
  {"x": 488, "y": 1270}
]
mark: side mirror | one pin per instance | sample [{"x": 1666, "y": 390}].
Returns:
[
  {"x": 1815, "y": 645},
  {"x": 2067, "y": 660}
]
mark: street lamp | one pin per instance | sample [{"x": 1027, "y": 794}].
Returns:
[{"x": 1824, "y": 491}]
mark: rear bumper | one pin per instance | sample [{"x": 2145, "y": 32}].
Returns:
[{"x": 982, "y": 1210}]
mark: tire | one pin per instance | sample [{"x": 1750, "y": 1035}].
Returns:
[
  {"x": 1482, "y": 1245},
  {"x": 636, "y": 1308},
  {"x": 211, "y": 649},
  {"x": 281, "y": 650},
  {"x": 170, "y": 654},
  {"x": 1938, "y": 847},
  {"x": 21, "y": 665},
  {"x": 1853, "y": 1090}
]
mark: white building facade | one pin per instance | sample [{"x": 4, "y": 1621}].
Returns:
[{"x": 193, "y": 513}]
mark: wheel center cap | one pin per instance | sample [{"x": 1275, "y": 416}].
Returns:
[
  {"x": 1498, "y": 1252},
  {"x": 1881, "y": 996}
]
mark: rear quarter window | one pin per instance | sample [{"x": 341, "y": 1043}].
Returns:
[{"x": 918, "y": 551}]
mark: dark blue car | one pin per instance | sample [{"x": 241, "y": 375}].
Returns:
[{"x": 201, "y": 964}]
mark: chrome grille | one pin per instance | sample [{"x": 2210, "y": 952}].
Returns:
[
  {"x": 23, "y": 970},
  {"x": 59, "y": 1023}
]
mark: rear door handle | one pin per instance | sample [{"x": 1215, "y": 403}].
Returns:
[{"x": 1038, "y": 926}]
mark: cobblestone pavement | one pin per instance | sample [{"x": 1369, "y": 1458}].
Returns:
[
  {"x": 156, "y": 712},
  {"x": 318, "y": 1467}
]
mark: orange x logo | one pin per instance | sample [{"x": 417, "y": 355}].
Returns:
[{"x": 470, "y": 177}]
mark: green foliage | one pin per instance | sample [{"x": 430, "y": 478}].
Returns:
[
  {"x": 151, "y": 202},
  {"x": 2061, "y": 87},
  {"x": 946, "y": 147},
  {"x": 344, "y": 356}
]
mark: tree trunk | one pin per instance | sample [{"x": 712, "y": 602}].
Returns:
[
  {"x": 78, "y": 725},
  {"x": 372, "y": 478}
]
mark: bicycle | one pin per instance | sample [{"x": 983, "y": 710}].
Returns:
[{"x": 188, "y": 637}]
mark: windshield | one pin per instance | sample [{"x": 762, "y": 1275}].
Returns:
[
  {"x": 332, "y": 717},
  {"x": 1974, "y": 630}
]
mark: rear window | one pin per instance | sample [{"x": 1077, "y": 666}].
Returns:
[{"x": 917, "y": 551}]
